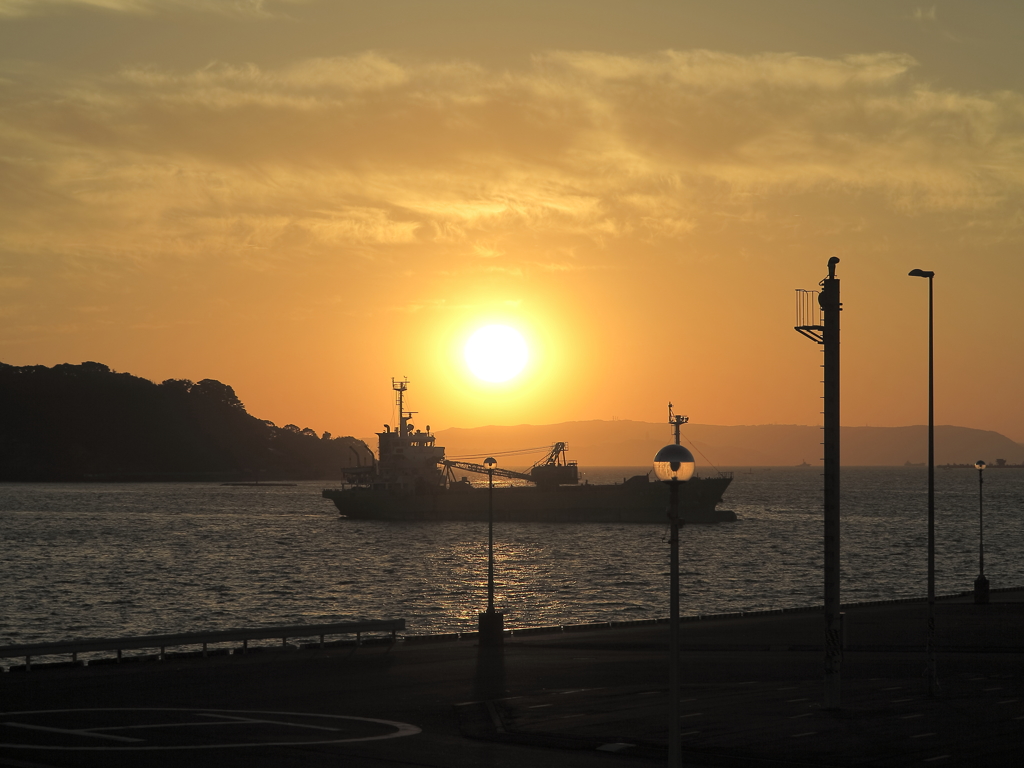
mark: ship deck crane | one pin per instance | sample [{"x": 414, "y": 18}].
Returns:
[
  {"x": 551, "y": 470},
  {"x": 469, "y": 466}
]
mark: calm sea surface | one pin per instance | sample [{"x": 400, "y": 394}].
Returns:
[{"x": 108, "y": 560}]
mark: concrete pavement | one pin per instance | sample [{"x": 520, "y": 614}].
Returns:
[{"x": 751, "y": 696}]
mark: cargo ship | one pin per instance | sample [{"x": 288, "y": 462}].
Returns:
[{"x": 412, "y": 480}]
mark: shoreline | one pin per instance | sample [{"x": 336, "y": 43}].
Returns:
[{"x": 295, "y": 632}]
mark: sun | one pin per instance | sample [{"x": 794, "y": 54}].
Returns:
[{"x": 496, "y": 353}]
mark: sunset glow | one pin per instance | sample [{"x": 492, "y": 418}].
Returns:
[
  {"x": 496, "y": 353},
  {"x": 306, "y": 199}
]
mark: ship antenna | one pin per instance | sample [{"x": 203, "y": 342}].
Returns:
[
  {"x": 676, "y": 421},
  {"x": 403, "y": 417}
]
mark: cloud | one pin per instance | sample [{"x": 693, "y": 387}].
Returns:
[
  {"x": 925, "y": 15},
  {"x": 225, "y": 7},
  {"x": 371, "y": 152}
]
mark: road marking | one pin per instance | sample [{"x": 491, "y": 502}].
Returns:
[
  {"x": 997, "y": 688},
  {"x": 692, "y": 714},
  {"x": 268, "y": 722},
  {"x": 1007, "y": 701},
  {"x": 933, "y": 759},
  {"x": 615, "y": 746},
  {"x": 539, "y": 706},
  {"x": 793, "y": 701},
  {"x": 805, "y": 714},
  {"x": 800, "y": 735},
  {"x": 921, "y": 735},
  {"x": 492, "y": 710},
  {"x": 909, "y": 717},
  {"x": 237, "y": 716},
  {"x": 894, "y": 688},
  {"x": 71, "y": 731},
  {"x": 689, "y": 733},
  {"x": 900, "y": 701}
]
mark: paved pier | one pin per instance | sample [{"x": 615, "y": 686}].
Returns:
[{"x": 752, "y": 693}]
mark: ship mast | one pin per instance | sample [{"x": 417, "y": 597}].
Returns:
[
  {"x": 403, "y": 415},
  {"x": 676, "y": 421}
]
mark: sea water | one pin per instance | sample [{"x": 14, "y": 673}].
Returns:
[{"x": 110, "y": 560}]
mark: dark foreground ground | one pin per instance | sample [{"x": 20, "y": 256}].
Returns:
[{"x": 752, "y": 695}]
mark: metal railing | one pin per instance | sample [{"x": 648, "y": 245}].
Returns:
[{"x": 163, "y": 642}]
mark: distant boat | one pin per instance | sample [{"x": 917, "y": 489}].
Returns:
[
  {"x": 909, "y": 463},
  {"x": 803, "y": 463},
  {"x": 413, "y": 481}
]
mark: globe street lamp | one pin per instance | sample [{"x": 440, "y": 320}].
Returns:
[
  {"x": 673, "y": 465},
  {"x": 930, "y": 645},
  {"x": 981, "y": 583},
  {"x": 491, "y": 622}
]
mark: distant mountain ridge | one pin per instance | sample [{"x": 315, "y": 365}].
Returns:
[{"x": 634, "y": 443}]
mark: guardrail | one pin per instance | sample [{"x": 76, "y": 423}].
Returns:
[{"x": 163, "y": 642}]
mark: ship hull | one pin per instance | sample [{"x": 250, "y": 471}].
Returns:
[{"x": 630, "y": 502}]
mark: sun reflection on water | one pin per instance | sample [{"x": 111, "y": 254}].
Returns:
[{"x": 100, "y": 560}]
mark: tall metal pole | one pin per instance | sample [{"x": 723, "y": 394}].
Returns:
[
  {"x": 674, "y": 746},
  {"x": 933, "y": 682},
  {"x": 981, "y": 583},
  {"x": 490, "y": 540},
  {"x": 674, "y": 465},
  {"x": 821, "y": 325},
  {"x": 491, "y": 622},
  {"x": 981, "y": 524},
  {"x": 831, "y": 307}
]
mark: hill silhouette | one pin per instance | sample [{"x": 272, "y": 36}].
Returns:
[
  {"x": 634, "y": 443},
  {"x": 87, "y": 422}
]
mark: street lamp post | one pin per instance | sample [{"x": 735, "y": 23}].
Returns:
[
  {"x": 930, "y": 645},
  {"x": 491, "y": 623},
  {"x": 981, "y": 583},
  {"x": 674, "y": 465}
]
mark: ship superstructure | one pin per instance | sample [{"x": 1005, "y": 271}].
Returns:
[{"x": 408, "y": 461}]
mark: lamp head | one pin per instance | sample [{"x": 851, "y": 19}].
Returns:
[
  {"x": 490, "y": 463},
  {"x": 674, "y": 463},
  {"x": 921, "y": 273},
  {"x": 980, "y": 465}
]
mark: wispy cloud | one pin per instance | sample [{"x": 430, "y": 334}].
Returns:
[
  {"x": 372, "y": 152},
  {"x": 928, "y": 14},
  {"x": 227, "y": 7}
]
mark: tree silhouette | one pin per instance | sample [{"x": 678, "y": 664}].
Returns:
[{"x": 74, "y": 422}]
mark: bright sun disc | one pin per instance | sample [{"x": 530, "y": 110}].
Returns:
[{"x": 496, "y": 353}]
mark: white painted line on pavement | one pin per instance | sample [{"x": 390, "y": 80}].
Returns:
[
  {"x": 399, "y": 729},
  {"x": 70, "y": 731},
  {"x": 269, "y": 722}
]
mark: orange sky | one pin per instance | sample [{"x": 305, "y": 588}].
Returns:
[{"x": 304, "y": 199}]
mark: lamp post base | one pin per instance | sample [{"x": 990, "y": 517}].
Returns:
[
  {"x": 981, "y": 590},
  {"x": 492, "y": 629}
]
